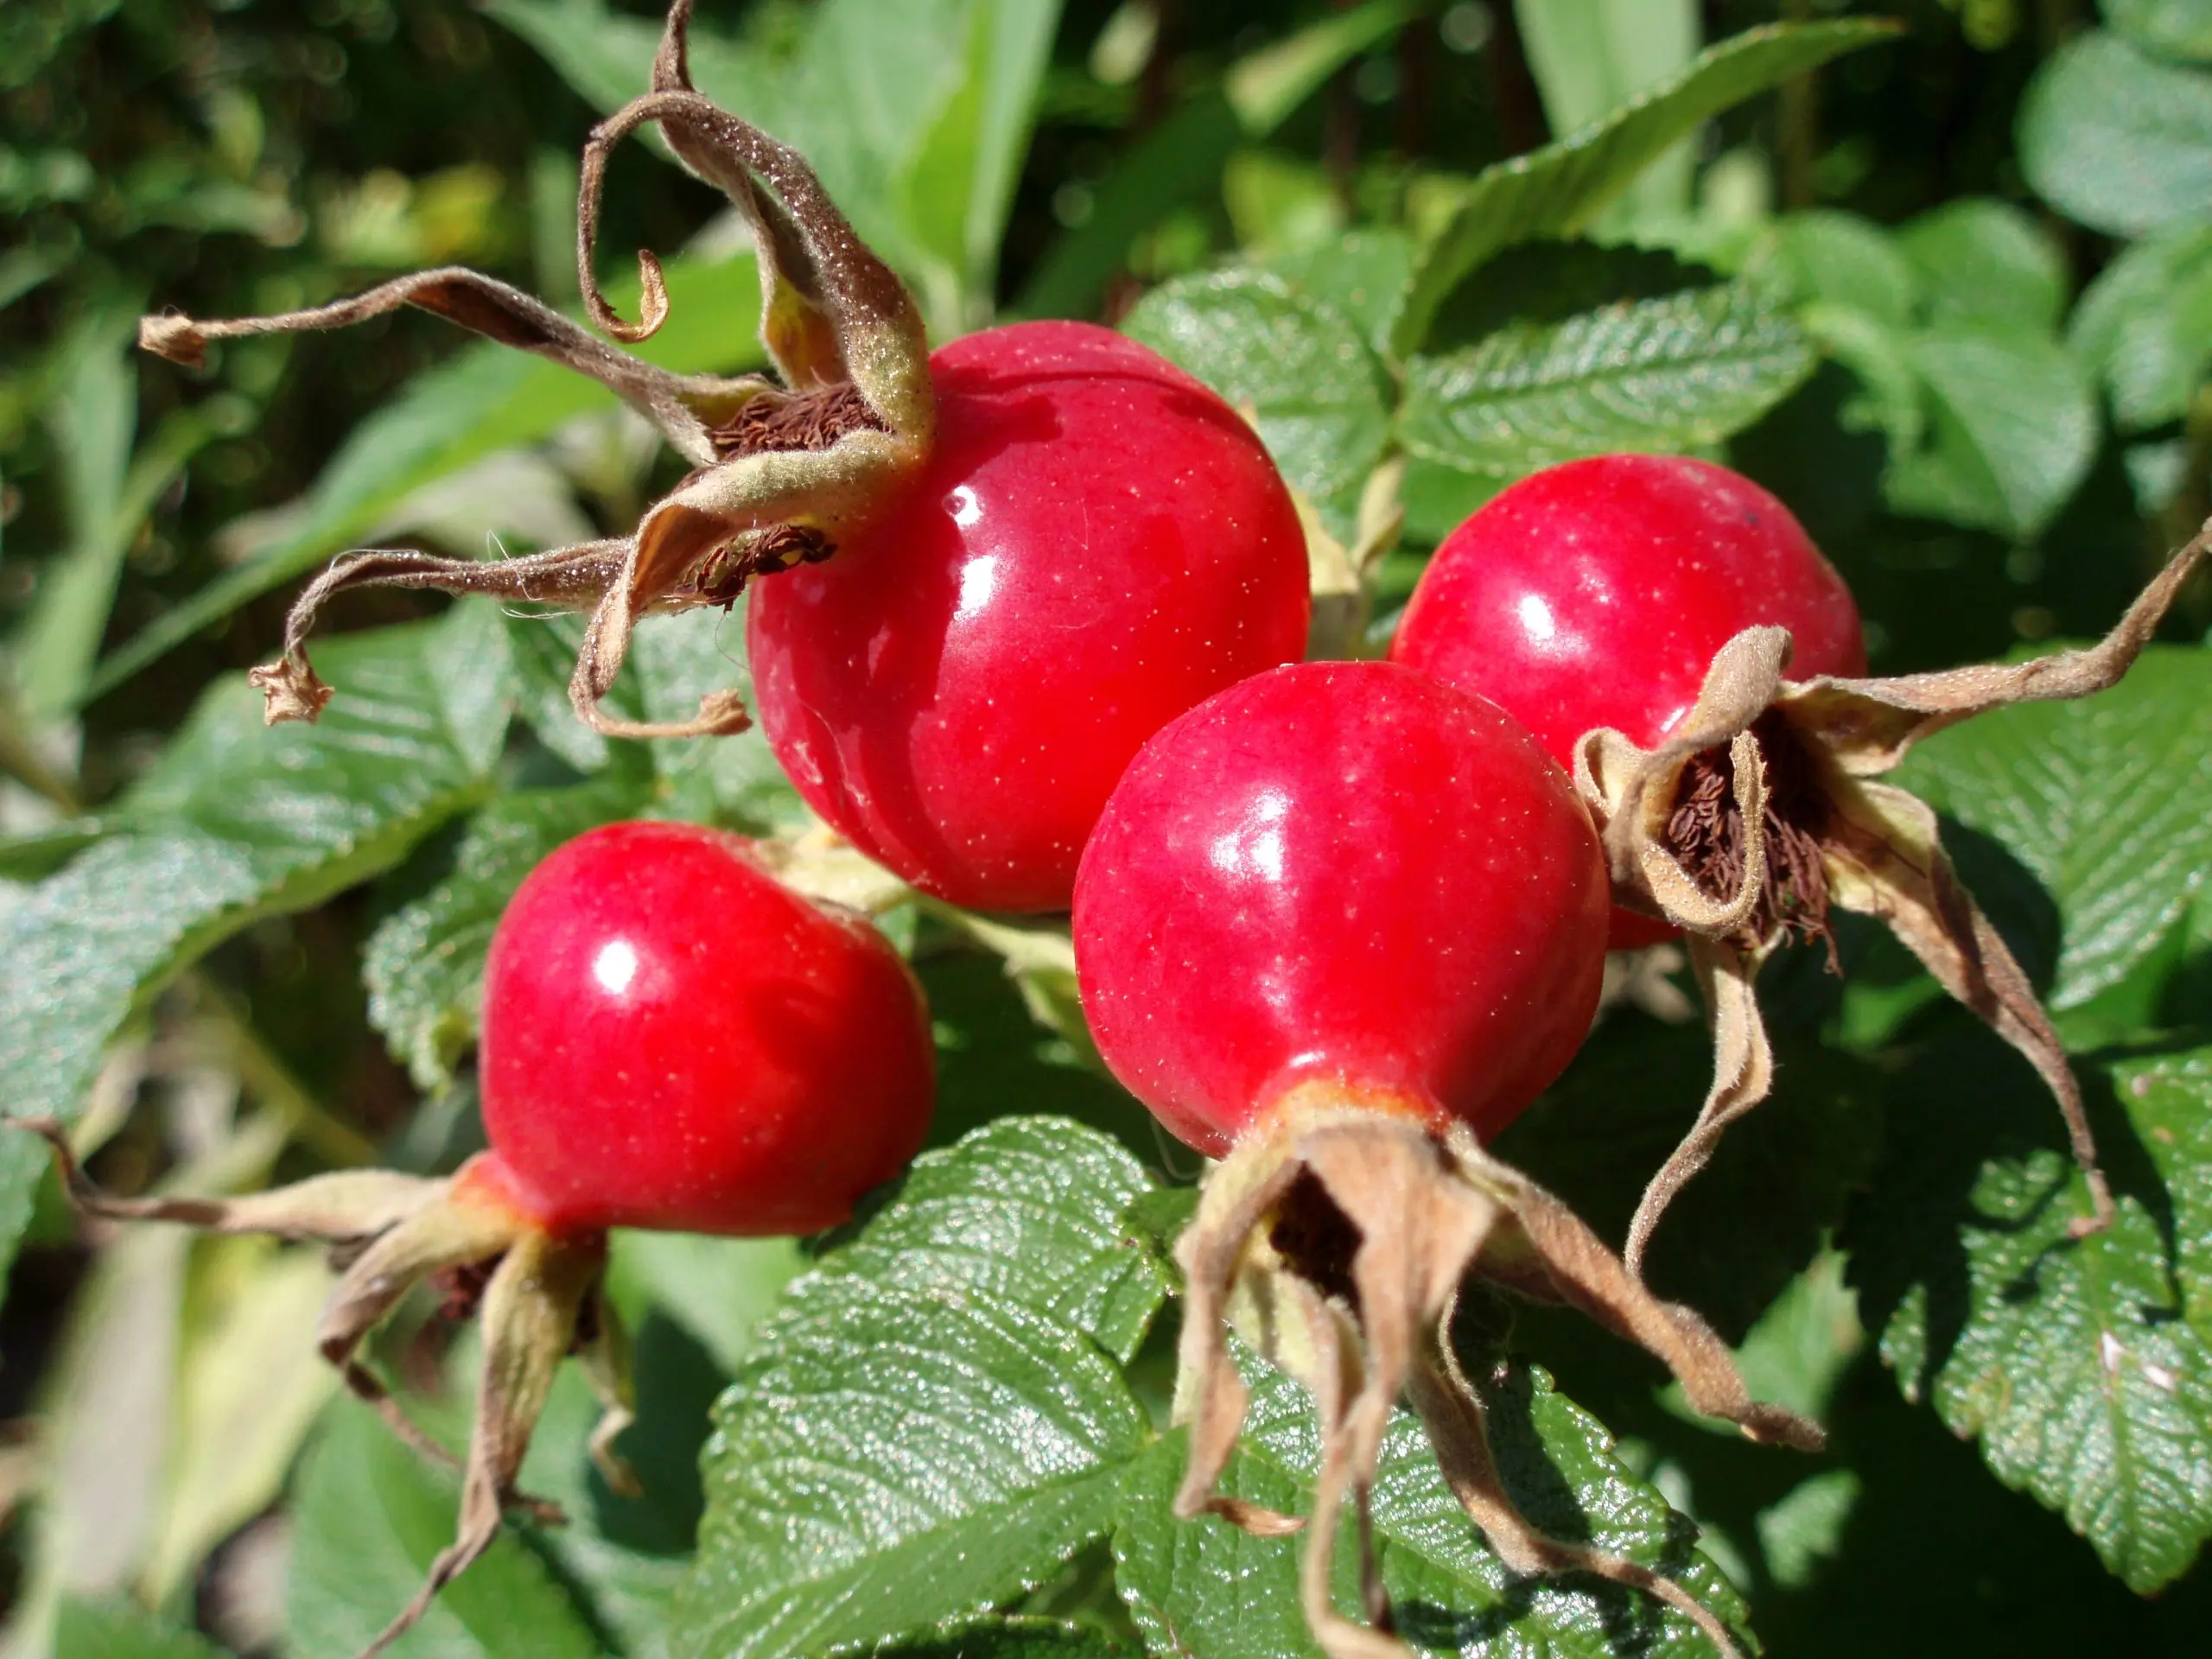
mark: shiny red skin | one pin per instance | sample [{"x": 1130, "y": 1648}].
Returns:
[
  {"x": 1346, "y": 874},
  {"x": 1099, "y": 544},
  {"x": 674, "y": 1040},
  {"x": 1597, "y": 593}
]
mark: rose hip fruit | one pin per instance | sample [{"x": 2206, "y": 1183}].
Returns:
[
  {"x": 1597, "y": 594},
  {"x": 672, "y": 1040},
  {"x": 1097, "y": 544},
  {"x": 1346, "y": 874},
  {"x": 1337, "y": 925}
]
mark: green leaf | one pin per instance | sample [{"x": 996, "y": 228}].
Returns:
[
  {"x": 487, "y": 397},
  {"x": 1664, "y": 374},
  {"x": 1558, "y": 189},
  {"x": 2084, "y": 1368},
  {"x": 961, "y": 1322},
  {"x": 2106, "y": 804},
  {"x": 2116, "y": 139},
  {"x": 1181, "y": 159},
  {"x": 370, "y": 1515},
  {"x": 424, "y": 965},
  {"x": 234, "y": 823},
  {"x": 1300, "y": 366},
  {"x": 1026, "y": 1211},
  {"x": 718, "y": 1289},
  {"x": 1591, "y": 56},
  {"x": 2173, "y": 28},
  {"x": 1842, "y": 259},
  {"x": 2145, "y": 326},
  {"x": 1204, "y": 1589},
  {"x": 1981, "y": 260},
  {"x": 101, "y": 1630},
  {"x": 1361, "y": 275},
  {"x": 2012, "y": 430}
]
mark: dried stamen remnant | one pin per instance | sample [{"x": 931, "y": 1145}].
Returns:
[
  {"x": 782, "y": 470},
  {"x": 1705, "y": 833},
  {"x": 798, "y": 420}
]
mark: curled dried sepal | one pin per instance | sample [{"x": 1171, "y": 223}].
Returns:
[
  {"x": 1335, "y": 1242},
  {"x": 542, "y": 1297},
  {"x": 783, "y": 471},
  {"x": 1826, "y": 834}
]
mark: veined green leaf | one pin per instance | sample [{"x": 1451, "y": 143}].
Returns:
[
  {"x": 2083, "y": 1367},
  {"x": 101, "y": 1630},
  {"x": 1204, "y": 1589},
  {"x": 1312, "y": 386},
  {"x": 1557, "y": 190},
  {"x": 962, "y": 1323},
  {"x": 1979, "y": 259},
  {"x": 2106, "y": 802},
  {"x": 1181, "y": 159},
  {"x": 1664, "y": 374},
  {"x": 2011, "y": 429}
]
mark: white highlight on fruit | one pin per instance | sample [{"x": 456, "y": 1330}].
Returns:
[
  {"x": 1537, "y": 618},
  {"x": 1255, "y": 847},
  {"x": 615, "y": 966},
  {"x": 979, "y": 580},
  {"x": 966, "y": 509}
]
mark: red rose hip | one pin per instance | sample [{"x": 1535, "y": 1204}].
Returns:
[
  {"x": 1097, "y": 544},
  {"x": 674, "y": 1039},
  {"x": 1337, "y": 924},
  {"x": 1597, "y": 593},
  {"x": 1346, "y": 874}
]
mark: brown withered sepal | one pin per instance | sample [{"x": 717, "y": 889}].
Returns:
[
  {"x": 1334, "y": 1241},
  {"x": 1804, "y": 827},
  {"x": 783, "y": 470}
]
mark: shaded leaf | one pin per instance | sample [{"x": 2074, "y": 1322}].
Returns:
[
  {"x": 1009, "y": 1638},
  {"x": 369, "y": 1516},
  {"x": 2084, "y": 1368},
  {"x": 1747, "y": 1225},
  {"x": 1300, "y": 366},
  {"x": 1845, "y": 260},
  {"x": 2116, "y": 139},
  {"x": 2107, "y": 805},
  {"x": 1661, "y": 374},
  {"x": 718, "y": 1289},
  {"x": 1558, "y": 189},
  {"x": 424, "y": 965}
]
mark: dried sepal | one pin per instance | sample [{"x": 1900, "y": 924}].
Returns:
[
  {"x": 783, "y": 471},
  {"x": 1334, "y": 1241},
  {"x": 389, "y": 1233},
  {"x": 1827, "y": 835}
]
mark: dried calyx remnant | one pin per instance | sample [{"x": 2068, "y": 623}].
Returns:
[
  {"x": 1761, "y": 812},
  {"x": 782, "y": 471},
  {"x": 1334, "y": 1244},
  {"x": 539, "y": 1296}
]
